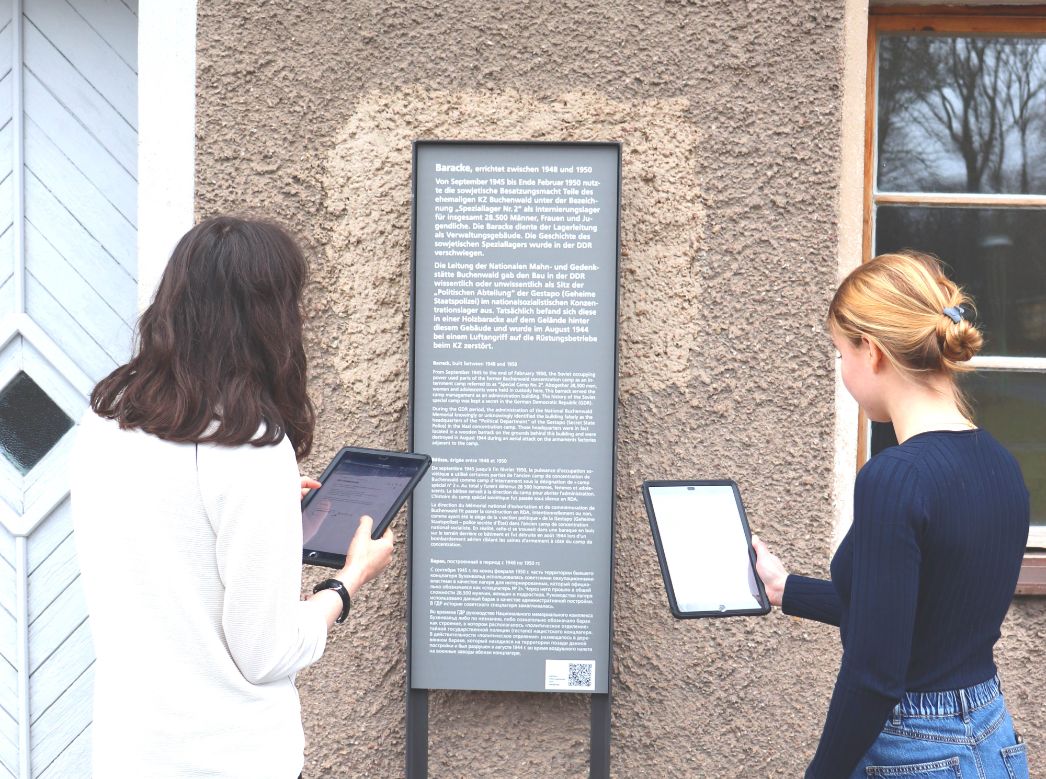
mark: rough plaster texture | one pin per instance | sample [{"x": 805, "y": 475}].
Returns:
[
  {"x": 730, "y": 114},
  {"x": 368, "y": 186}
]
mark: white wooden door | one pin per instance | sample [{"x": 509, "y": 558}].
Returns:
[{"x": 68, "y": 297}]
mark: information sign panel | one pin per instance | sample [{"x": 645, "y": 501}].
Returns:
[{"x": 514, "y": 336}]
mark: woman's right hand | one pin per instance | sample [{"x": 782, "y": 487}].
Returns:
[
  {"x": 366, "y": 557},
  {"x": 771, "y": 571}
]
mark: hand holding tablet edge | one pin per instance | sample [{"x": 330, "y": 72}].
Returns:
[
  {"x": 756, "y": 586},
  {"x": 770, "y": 570}
]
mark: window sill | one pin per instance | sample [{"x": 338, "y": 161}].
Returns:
[{"x": 1032, "y": 580}]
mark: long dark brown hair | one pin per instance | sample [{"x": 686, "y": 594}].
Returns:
[{"x": 220, "y": 343}]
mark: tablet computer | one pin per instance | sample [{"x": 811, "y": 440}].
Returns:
[
  {"x": 705, "y": 548},
  {"x": 358, "y": 481}
]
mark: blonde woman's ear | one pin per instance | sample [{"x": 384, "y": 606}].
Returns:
[{"x": 873, "y": 352}]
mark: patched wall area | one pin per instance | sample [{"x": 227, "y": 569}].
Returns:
[
  {"x": 369, "y": 169},
  {"x": 729, "y": 115}
]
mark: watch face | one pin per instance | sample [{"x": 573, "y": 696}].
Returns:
[{"x": 329, "y": 584}]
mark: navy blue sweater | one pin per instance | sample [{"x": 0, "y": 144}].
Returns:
[{"x": 920, "y": 584}]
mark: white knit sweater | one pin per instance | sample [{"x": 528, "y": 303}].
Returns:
[{"x": 190, "y": 560}]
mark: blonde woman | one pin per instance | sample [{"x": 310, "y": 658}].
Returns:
[{"x": 923, "y": 579}]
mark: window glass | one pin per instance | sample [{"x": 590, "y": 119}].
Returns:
[
  {"x": 30, "y": 422},
  {"x": 997, "y": 254},
  {"x": 961, "y": 114},
  {"x": 1012, "y": 406}
]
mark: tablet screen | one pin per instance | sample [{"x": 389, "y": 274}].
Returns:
[
  {"x": 359, "y": 483},
  {"x": 706, "y": 548}
]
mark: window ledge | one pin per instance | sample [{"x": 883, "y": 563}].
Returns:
[{"x": 1032, "y": 580}]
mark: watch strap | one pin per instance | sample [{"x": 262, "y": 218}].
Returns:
[{"x": 342, "y": 590}]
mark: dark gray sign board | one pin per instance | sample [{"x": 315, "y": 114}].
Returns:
[{"x": 513, "y": 394}]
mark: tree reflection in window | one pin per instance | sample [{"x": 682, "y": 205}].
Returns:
[{"x": 961, "y": 114}]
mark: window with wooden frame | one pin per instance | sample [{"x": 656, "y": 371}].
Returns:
[{"x": 955, "y": 165}]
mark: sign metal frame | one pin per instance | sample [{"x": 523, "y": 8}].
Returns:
[{"x": 417, "y": 699}]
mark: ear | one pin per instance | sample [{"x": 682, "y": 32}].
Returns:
[{"x": 873, "y": 354}]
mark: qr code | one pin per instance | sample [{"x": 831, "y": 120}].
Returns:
[
  {"x": 574, "y": 675},
  {"x": 580, "y": 675}
]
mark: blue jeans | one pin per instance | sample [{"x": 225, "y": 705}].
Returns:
[{"x": 962, "y": 734}]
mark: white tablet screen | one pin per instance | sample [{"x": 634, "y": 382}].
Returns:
[{"x": 705, "y": 548}]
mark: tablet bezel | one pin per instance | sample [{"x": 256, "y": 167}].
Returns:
[
  {"x": 672, "y": 603},
  {"x": 331, "y": 560}
]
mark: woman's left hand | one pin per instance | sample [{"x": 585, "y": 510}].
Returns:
[{"x": 308, "y": 484}]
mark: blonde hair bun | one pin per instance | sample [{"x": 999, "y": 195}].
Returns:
[
  {"x": 905, "y": 304},
  {"x": 959, "y": 341}
]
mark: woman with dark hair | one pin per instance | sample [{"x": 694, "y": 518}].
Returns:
[{"x": 187, "y": 520}]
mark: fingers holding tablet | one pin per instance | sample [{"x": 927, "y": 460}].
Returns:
[
  {"x": 366, "y": 557},
  {"x": 308, "y": 484},
  {"x": 771, "y": 571}
]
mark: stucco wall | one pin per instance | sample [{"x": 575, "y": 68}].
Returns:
[{"x": 730, "y": 115}]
